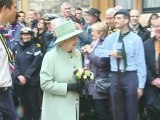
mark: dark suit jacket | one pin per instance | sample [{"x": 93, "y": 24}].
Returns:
[
  {"x": 150, "y": 91},
  {"x": 149, "y": 47},
  {"x": 143, "y": 32}
]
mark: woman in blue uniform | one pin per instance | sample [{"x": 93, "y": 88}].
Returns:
[{"x": 28, "y": 60}]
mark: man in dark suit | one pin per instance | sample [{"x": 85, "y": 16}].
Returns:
[
  {"x": 136, "y": 27},
  {"x": 152, "y": 89}
]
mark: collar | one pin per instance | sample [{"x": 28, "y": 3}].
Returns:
[{"x": 133, "y": 28}]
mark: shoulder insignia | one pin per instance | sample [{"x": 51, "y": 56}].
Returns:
[{"x": 38, "y": 45}]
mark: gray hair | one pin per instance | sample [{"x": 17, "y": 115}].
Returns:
[
  {"x": 57, "y": 21},
  {"x": 65, "y": 4},
  {"x": 110, "y": 11}
]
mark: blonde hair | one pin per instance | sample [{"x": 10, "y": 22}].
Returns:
[{"x": 101, "y": 27}]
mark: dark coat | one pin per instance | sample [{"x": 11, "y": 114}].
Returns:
[
  {"x": 28, "y": 61},
  {"x": 85, "y": 38},
  {"x": 143, "y": 32},
  {"x": 150, "y": 91},
  {"x": 100, "y": 66},
  {"x": 149, "y": 47},
  {"x": 46, "y": 41}
]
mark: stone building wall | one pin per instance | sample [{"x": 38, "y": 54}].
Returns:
[{"x": 53, "y": 6}]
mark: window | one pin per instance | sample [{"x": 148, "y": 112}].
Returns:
[
  {"x": 128, "y": 4},
  {"x": 150, "y": 6}
]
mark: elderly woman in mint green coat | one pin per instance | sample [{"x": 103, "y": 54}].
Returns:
[{"x": 61, "y": 98}]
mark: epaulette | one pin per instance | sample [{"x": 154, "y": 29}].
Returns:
[
  {"x": 111, "y": 31},
  {"x": 114, "y": 30},
  {"x": 38, "y": 45}
]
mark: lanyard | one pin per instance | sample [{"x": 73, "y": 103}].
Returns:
[{"x": 9, "y": 53}]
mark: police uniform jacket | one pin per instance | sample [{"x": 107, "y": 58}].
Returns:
[{"x": 28, "y": 60}]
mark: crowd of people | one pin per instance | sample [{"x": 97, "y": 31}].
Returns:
[{"x": 39, "y": 55}]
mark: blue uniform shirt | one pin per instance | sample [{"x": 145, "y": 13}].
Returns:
[{"x": 134, "y": 52}]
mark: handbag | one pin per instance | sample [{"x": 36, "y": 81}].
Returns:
[
  {"x": 87, "y": 111},
  {"x": 154, "y": 105},
  {"x": 102, "y": 85}
]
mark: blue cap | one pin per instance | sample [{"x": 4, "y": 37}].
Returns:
[{"x": 123, "y": 12}]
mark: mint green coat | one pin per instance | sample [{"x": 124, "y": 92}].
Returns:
[{"x": 56, "y": 71}]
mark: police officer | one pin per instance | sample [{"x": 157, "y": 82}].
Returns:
[{"x": 28, "y": 59}]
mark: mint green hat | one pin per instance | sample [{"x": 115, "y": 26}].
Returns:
[{"x": 65, "y": 30}]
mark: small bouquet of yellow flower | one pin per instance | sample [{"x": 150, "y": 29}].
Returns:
[{"x": 83, "y": 74}]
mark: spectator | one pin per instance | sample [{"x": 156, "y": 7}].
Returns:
[
  {"x": 136, "y": 27},
  {"x": 100, "y": 66},
  {"x": 93, "y": 16},
  {"x": 66, "y": 11},
  {"x": 39, "y": 15},
  {"x": 78, "y": 16},
  {"x": 151, "y": 24},
  {"x": 40, "y": 31},
  {"x": 110, "y": 19},
  {"x": 32, "y": 19},
  {"x": 152, "y": 89},
  {"x": 22, "y": 18},
  {"x": 14, "y": 29}
]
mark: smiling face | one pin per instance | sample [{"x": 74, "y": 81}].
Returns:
[
  {"x": 96, "y": 35},
  {"x": 26, "y": 37},
  {"x": 66, "y": 10},
  {"x": 21, "y": 17},
  {"x": 41, "y": 24},
  {"x": 121, "y": 21},
  {"x": 110, "y": 20},
  {"x": 91, "y": 19}
]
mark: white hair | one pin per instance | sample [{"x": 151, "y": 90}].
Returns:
[
  {"x": 110, "y": 11},
  {"x": 65, "y": 4},
  {"x": 57, "y": 21}
]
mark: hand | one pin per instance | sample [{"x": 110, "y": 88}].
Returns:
[
  {"x": 139, "y": 92},
  {"x": 76, "y": 87},
  {"x": 87, "y": 48},
  {"x": 156, "y": 82},
  {"x": 35, "y": 30},
  {"x": 115, "y": 54},
  {"x": 29, "y": 20},
  {"x": 78, "y": 26},
  {"x": 22, "y": 80}
]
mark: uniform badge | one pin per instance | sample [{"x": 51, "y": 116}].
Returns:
[{"x": 38, "y": 45}]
